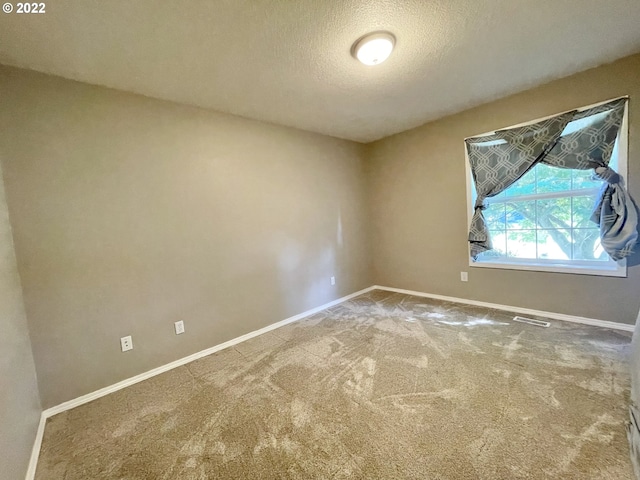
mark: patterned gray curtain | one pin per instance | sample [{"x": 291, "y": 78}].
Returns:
[{"x": 499, "y": 160}]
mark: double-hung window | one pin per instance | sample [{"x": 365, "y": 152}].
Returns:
[{"x": 543, "y": 221}]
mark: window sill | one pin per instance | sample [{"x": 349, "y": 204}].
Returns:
[{"x": 619, "y": 271}]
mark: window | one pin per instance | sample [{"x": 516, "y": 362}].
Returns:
[{"x": 543, "y": 221}]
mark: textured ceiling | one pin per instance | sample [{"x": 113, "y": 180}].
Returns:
[{"x": 288, "y": 61}]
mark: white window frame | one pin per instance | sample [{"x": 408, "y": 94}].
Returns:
[{"x": 556, "y": 266}]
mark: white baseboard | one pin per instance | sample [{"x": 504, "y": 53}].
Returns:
[
  {"x": 527, "y": 311},
  {"x": 49, "y": 412},
  {"x": 35, "y": 451},
  {"x": 182, "y": 361}
]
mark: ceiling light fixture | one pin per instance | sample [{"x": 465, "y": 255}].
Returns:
[{"x": 373, "y": 48}]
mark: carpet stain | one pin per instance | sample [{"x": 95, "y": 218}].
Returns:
[{"x": 385, "y": 385}]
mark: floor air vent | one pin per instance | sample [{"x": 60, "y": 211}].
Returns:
[{"x": 531, "y": 321}]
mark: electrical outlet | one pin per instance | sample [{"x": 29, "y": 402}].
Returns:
[
  {"x": 464, "y": 276},
  {"x": 333, "y": 280},
  {"x": 126, "y": 343},
  {"x": 179, "y": 326}
]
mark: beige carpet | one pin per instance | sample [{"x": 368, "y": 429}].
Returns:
[{"x": 383, "y": 386}]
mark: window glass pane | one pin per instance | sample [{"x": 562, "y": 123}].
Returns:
[
  {"x": 521, "y": 243},
  {"x": 499, "y": 242},
  {"x": 554, "y": 213},
  {"x": 553, "y": 179},
  {"x": 583, "y": 179},
  {"x": 521, "y": 215},
  {"x": 495, "y": 216},
  {"x": 554, "y": 244},
  {"x": 525, "y": 186},
  {"x": 615, "y": 155},
  {"x": 582, "y": 209},
  {"x": 575, "y": 125},
  {"x": 586, "y": 245}
]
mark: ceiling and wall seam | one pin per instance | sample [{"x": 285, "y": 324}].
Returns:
[{"x": 290, "y": 63}]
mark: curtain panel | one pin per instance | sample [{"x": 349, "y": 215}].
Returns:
[{"x": 500, "y": 159}]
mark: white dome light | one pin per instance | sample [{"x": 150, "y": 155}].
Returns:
[{"x": 374, "y": 48}]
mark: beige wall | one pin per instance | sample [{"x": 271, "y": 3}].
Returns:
[
  {"x": 419, "y": 211},
  {"x": 19, "y": 400},
  {"x": 131, "y": 213}
]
